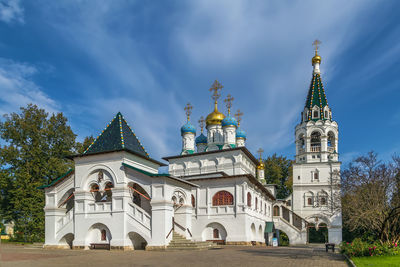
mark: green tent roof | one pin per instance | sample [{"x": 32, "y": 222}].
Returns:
[
  {"x": 116, "y": 136},
  {"x": 316, "y": 96}
]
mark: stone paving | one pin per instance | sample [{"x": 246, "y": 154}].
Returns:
[{"x": 12, "y": 255}]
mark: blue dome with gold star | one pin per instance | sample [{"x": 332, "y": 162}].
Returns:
[
  {"x": 201, "y": 139},
  {"x": 240, "y": 133},
  {"x": 229, "y": 121},
  {"x": 188, "y": 128}
]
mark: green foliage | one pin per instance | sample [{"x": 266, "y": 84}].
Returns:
[
  {"x": 381, "y": 261},
  {"x": 360, "y": 248},
  {"x": 34, "y": 154},
  {"x": 283, "y": 239},
  {"x": 278, "y": 170},
  {"x": 81, "y": 147}
]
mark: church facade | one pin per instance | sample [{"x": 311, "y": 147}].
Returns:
[{"x": 214, "y": 192}]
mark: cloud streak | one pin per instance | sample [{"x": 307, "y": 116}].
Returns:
[
  {"x": 18, "y": 89},
  {"x": 11, "y": 11}
]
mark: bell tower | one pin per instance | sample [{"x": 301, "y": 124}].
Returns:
[{"x": 316, "y": 171}]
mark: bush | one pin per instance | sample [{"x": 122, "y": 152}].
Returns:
[{"x": 359, "y": 248}]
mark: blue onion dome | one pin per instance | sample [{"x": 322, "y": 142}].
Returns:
[
  {"x": 188, "y": 128},
  {"x": 240, "y": 133},
  {"x": 229, "y": 121},
  {"x": 201, "y": 139}
]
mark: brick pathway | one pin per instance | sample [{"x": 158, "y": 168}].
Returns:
[{"x": 227, "y": 256}]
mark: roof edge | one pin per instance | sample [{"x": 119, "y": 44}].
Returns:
[{"x": 119, "y": 150}]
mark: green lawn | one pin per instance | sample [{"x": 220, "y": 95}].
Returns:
[{"x": 380, "y": 261}]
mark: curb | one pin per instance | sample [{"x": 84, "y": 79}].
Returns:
[{"x": 349, "y": 260}]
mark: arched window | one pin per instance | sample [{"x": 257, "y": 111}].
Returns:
[
  {"x": 265, "y": 209},
  {"x": 249, "y": 199},
  {"x": 108, "y": 194},
  {"x": 256, "y": 203},
  {"x": 316, "y": 142},
  {"x": 331, "y": 141},
  {"x": 323, "y": 201},
  {"x": 193, "y": 201},
  {"x": 316, "y": 175},
  {"x": 222, "y": 198},
  {"x": 215, "y": 233},
  {"x": 301, "y": 142},
  {"x": 94, "y": 189},
  {"x": 315, "y": 114},
  {"x": 103, "y": 235},
  {"x": 309, "y": 201},
  {"x": 276, "y": 210}
]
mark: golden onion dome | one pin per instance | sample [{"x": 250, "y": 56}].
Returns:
[
  {"x": 215, "y": 117},
  {"x": 261, "y": 166},
  {"x": 316, "y": 58}
]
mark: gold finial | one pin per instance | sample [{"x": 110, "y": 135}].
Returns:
[
  {"x": 238, "y": 116},
  {"x": 261, "y": 166},
  {"x": 201, "y": 123},
  {"x": 316, "y": 44},
  {"x": 260, "y": 151},
  {"x": 188, "y": 110},
  {"x": 316, "y": 58},
  {"x": 216, "y": 87},
  {"x": 228, "y": 102}
]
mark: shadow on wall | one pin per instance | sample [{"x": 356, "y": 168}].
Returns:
[{"x": 138, "y": 242}]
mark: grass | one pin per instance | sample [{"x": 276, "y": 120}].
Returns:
[{"x": 380, "y": 261}]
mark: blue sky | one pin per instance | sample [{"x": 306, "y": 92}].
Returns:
[{"x": 147, "y": 59}]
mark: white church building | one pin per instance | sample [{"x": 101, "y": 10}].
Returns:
[{"x": 214, "y": 192}]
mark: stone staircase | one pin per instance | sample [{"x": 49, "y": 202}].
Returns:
[{"x": 179, "y": 242}]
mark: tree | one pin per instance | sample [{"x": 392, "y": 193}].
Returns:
[
  {"x": 371, "y": 200},
  {"x": 278, "y": 170},
  {"x": 34, "y": 154},
  {"x": 81, "y": 147}
]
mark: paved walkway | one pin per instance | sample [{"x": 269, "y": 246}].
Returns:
[{"x": 11, "y": 255}]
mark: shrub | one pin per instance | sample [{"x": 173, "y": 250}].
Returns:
[{"x": 359, "y": 248}]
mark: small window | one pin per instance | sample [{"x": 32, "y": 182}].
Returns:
[
  {"x": 256, "y": 203},
  {"x": 103, "y": 235},
  {"x": 193, "y": 201},
  {"x": 323, "y": 201},
  {"x": 298, "y": 177},
  {"x": 249, "y": 199},
  {"x": 309, "y": 201},
  {"x": 315, "y": 114},
  {"x": 316, "y": 176},
  {"x": 326, "y": 114},
  {"x": 215, "y": 233},
  {"x": 276, "y": 210}
]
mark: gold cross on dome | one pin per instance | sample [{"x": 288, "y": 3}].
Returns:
[
  {"x": 216, "y": 87},
  {"x": 228, "y": 102},
  {"x": 188, "y": 110},
  {"x": 316, "y": 44},
  {"x": 201, "y": 123},
  {"x": 238, "y": 116},
  {"x": 260, "y": 151}
]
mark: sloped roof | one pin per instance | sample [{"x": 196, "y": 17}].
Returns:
[
  {"x": 115, "y": 137},
  {"x": 316, "y": 96}
]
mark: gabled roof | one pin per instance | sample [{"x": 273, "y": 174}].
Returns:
[
  {"x": 316, "y": 96},
  {"x": 115, "y": 137}
]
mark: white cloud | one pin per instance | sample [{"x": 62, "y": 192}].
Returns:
[
  {"x": 18, "y": 89},
  {"x": 11, "y": 11}
]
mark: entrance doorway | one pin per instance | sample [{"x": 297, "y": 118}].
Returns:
[{"x": 317, "y": 234}]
